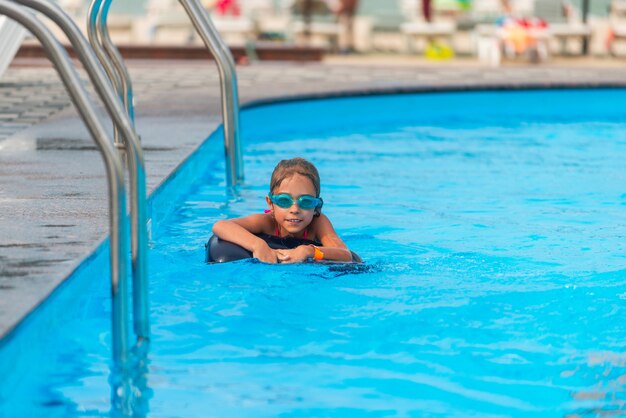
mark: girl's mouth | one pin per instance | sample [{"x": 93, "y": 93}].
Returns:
[{"x": 293, "y": 221}]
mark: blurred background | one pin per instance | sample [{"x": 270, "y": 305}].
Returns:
[{"x": 492, "y": 31}]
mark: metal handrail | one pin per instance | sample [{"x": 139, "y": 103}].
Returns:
[
  {"x": 126, "y": 86},
  {"x": 228, "y": 81},
  {"x": 139, "y": 238},
  {"x": 92, "y": 34},
  {"x": 121, "y": 391},
  {"x": 110, "y": 58},
  {"x": 102, "y": 44}
]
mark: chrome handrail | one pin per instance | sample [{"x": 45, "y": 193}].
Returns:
[
  {"x": 228, "y": 82},
  {"x": 137, "y": 173},
  {"x": 126, "y": 85},
  {"x": 92, "y": 34},
  {"x": 121, "y": 391},
  {"x": 110, "y": 58}
]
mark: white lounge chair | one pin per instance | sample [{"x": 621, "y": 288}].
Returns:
[
  {"x": 564, "y": 25},
  {"x": 235, "y": 30},
  {"x": 12, "y": 35},
  {"x": 493, "y": 42},
  {"x": 167, "y": 22},
  {"x": 417, "y": 30},
  {"x": 420, "y": 30},
  {"x": 322, "y": 28},
  {"x": 564, "y": 22}
]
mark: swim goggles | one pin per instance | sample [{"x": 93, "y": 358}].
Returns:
[{"x": 305, "y": 202}]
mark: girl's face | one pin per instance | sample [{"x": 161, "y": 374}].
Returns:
[{"x": 293, "y": 220}]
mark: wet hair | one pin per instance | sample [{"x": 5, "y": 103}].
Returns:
[{"x": 287, "y": 168}]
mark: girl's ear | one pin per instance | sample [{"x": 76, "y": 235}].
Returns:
[
  {"x": 269, "y": 203},
  {"x": 318, "y": 208}
]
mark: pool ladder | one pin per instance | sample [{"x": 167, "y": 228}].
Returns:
[
  {"x": 228, "y": 83},
  {"x": 112, "y": 62},
  {"x": 122, "y": 385},
  {"x": 123, "y": 392}
]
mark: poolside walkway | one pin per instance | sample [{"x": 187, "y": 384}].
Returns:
[{"x": 53, "y": 202}]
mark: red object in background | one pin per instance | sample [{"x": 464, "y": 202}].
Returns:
[
  {"x": 533, "y": 22},
  {"x": 228, "y": 7},
  {"x": 610, "y": 37},
  {"x": 427, "y": 10}
]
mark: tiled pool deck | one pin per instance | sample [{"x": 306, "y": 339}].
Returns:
[{"x": 53, "y": 201}]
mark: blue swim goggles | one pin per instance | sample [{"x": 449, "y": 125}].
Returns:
[{"x": 306, "y": 202}]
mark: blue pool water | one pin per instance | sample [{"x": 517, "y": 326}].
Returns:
[{"x": 493, "y": 232}]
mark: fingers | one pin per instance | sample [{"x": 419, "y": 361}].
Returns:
[
  {"x": 283, "y": 257},
  {"x": 266, "y": 257},
  {"x": 290, "y": 256},
  {"x": 288, "y": 259}
]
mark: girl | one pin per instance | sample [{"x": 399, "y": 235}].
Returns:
[{"x": 294, "y": 211}]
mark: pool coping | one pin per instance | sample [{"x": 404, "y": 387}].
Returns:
[{"x": 434, "y": 89}]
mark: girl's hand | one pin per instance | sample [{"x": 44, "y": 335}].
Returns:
[
  {"x": 295, "y": 255},
  {"x": 265, "y": 254}
]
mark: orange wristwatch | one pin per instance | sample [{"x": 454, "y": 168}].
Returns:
[{"x": 318, "y": 254}]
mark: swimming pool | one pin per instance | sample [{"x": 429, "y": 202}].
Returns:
[{"x": 492, "y": 229}]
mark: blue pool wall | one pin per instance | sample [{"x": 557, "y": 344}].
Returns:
[{"x": 339, "y": 114}]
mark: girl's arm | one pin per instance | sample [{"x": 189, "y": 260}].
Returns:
[
  {"x": 241, "y": 231},
  {"x": 332, "y": 246}
]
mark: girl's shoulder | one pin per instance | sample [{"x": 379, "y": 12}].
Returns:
[
  {"x": 318, "y": 226},
  {"x": 321, "y": 220},
  {"x": 260, "y": 217},
  {"x": 267, "y": 221},
  {"x": 257, "y": 222}
]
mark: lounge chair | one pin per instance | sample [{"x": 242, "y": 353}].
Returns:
[
  {"x": 417, "y": 30},
  {"x": 167, "y": 22},
  {"x": 513, "y": 34},
  {"x": 236, "y": 30},
  {"x": 564, "y": 22},
  {"x": 319, "y": 27},
  {"x": 377, "y": 25},
  {"x": 12, "y": 35},
  {"x": 393, "y": 25}
]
